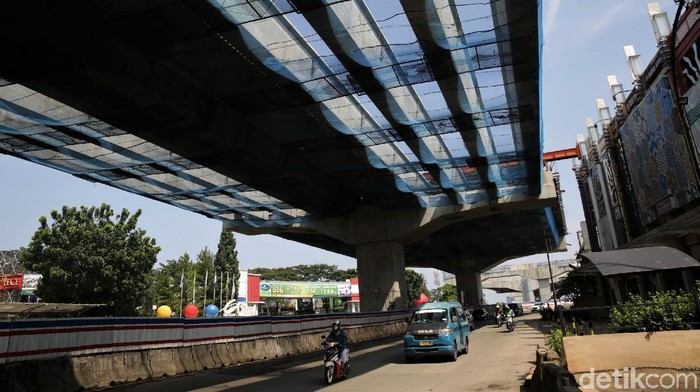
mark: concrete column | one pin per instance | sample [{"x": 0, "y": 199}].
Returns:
[
  {"x": 545, "y": 289},
  {"x": 381, "y": 273},
  {"x": 469, "y": 289}
]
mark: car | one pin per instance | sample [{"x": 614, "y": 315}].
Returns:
[
  {"x": 517, "y": 309},
  {"x": 536, "y": 307},
  {"x": 437, "y": 329},
  {"x": 480, "y": 314}
]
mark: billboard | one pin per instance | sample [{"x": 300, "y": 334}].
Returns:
[
  {"x": 662, "y": 175},
  {"x": 11, "y": 282},
  {"x": 31, "y": 282},
  {"x": 304, "y": 289}
]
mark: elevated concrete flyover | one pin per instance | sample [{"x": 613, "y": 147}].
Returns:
[
  {"x": 531, "y": 280},
  {"x": 400, "y": 133}
]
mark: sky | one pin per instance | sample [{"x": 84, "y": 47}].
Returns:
[{"x": 583, "y": 43}]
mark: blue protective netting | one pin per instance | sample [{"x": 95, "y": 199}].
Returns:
[{"x": 375, "y": 35}]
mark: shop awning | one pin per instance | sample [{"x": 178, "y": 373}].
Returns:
[{"x": 637, "y": 260}]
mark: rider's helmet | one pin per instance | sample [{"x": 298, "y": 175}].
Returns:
[{"x": 336, "y": 325}]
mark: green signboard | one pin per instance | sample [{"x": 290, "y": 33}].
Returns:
[{"x": 304, "y": 289}]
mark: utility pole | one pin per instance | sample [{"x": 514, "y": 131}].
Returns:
[
  {"x": 557, "y": 311},
  {"x": 551, "y": 276}
]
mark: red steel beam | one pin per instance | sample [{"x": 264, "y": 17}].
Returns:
[{"x": 561, "y": 154}]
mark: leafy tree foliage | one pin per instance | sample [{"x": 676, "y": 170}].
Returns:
[
  {"x": 306, "y": 273},
  {"x": 446, "y": 292},
  {"x": 205, "y": 274},
  {"x": 416, "y": 285},
  {"x": 577, "y": 286},
  {"x": 86, "y": 257},
  {"x": 226, "y": 260},
  {"x": 168, "y": 279}
]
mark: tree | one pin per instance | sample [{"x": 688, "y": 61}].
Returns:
[
  {"x": 415, "y": 283},
  {"x": 226, "y": 260},
  {"x": 168, "y": 280},
  {"x": 446, "y": 292},
  {"x": 306, "y": 273},
  {"x": 205, "y": 275},
  {"x": 574, "y": 287},
  {"x": 86, "y": 257}
]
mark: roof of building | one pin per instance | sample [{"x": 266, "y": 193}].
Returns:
[{"x": 637, "y": 260}]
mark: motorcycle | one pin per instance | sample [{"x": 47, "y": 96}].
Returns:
[
  {"x": 499, "y": 320},
  {"x": 509, "y": 324},
  {"x": 332, "y": 369}
]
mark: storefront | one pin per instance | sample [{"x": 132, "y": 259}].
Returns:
[{"x": 288, "y": 298}]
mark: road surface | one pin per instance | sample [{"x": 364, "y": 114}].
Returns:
[{"x": 497, "y": 361}]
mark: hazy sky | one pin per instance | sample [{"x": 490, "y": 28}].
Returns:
[{"x": 583, "y": 43}]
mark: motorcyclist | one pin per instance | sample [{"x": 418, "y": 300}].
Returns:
[
  {"x": 499, "y": 314},
  {"x": 509, "y": 313},
  {"x": 338, "y": 337}
]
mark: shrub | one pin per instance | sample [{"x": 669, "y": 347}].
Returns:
[
  {"x": 555, "y": 341},
  {"x": 663, "y": 311}
]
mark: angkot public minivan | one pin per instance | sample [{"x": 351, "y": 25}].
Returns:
[{"x": 437, "y": 329}]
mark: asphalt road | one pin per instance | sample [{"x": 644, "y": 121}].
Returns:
[{"x": 497, "y": 361}]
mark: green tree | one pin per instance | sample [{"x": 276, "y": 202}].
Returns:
[
  {"x": 168, "y": 279},
  {"x": 415, "y": 283},
  {"x": 306, "y": 273},
  {"x": 86, "y": 257},
  {"x": 446, "y": 292},
  {"x": 577, "y": 286},
  {"x": 205, "y": 276},
  {"x": 226, "y": 261}
]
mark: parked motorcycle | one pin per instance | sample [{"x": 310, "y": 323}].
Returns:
[
  {"x": 332, "y": 369},
  {"x": 509, "y": 324}
]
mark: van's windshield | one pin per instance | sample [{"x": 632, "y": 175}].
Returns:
[{"x": 429, "y": 316}]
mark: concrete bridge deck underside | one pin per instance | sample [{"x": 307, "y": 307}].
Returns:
[{"x": 180, "y": 76}]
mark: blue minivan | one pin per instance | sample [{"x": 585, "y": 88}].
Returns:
[{"x": 437, "y": 328}]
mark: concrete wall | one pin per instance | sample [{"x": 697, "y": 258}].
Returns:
[
  {"x": 550, "y": 374},
  {"x": 667, "y": 350},
  {"x": 100, "y": 370}
]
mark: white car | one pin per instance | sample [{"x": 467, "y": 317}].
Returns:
[{"x": 536, "y": 307}]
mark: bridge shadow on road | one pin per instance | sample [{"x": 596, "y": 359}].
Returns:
[{"x": 297, "y": 373}]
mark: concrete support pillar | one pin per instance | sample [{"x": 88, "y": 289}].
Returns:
[
  {"x": 545, "y": 289},
  {"x": 469, "y": 289},
  {"x": 381, "y": 272}
]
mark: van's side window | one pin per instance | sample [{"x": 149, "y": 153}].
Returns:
[{"x": 453, "y": 312}]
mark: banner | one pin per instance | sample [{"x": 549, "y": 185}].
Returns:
[
  {"x": 11, "y": 282},
  {"x": 661, "y": 170},
  {"x": 304, "y": 290},
  {"x": 31, "y": 282}
]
